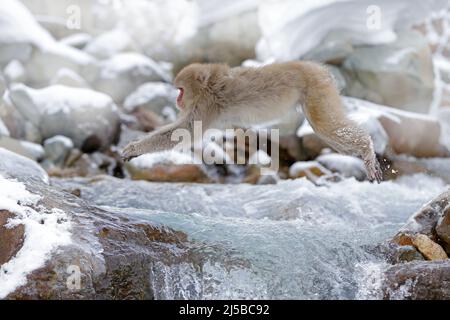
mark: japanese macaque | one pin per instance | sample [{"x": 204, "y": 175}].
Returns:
[{"x": 223, "y": 97}]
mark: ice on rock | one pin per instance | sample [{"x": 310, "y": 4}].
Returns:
[
  {"x": 88, "y": 117},
  {"x": 123, "y": 73}
]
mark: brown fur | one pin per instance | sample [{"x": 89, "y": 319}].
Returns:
[{"x": 223, "y": 97}]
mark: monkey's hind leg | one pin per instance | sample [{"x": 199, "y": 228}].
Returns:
[{"x": 350, "y": 139}]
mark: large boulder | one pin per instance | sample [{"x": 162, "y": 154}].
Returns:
[
  {"x": 87, "y": 117},
  {"x": 123, "y": 73},
  {"x": 407, "y": 132},
  {"x": 57, "y": 246},
  {"x": 399, "y": 74}
]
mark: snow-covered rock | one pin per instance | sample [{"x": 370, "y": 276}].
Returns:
[
  {"x": 23, "y": 39},
  {"x": 399, "y": 74},
  {"x": 77, "y": 40},
  {"x": 19, "y": 32},
  {"x": 348, "y": 166},
  {"x": 25, "y": 148},
  {"x": 153, "y": 96},
  {"x": 70, "y": 78},
  {"x": 14, "y": 72},
  {"x": 444, "y": 119},
  {"x": 110, "y": 43},
  {"x": 390, "y": 129},
  {"x": 123, "y": 73},
  {"x": 290, "y": 28},
  {"x": 309, "y": 169},
  {"x": 3, "y": 129},
  {"x": 408, "y": 132},
  {"x": 57, "y": 149},
  {"x": 18, "y": 126},
  {"x": 88, "y": 117},
  {"x": 45, "y": 63}
]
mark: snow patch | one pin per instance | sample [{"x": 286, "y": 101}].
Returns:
[
  {"x": 149, "y": 160},
  {"x": 45, "y": 230}
]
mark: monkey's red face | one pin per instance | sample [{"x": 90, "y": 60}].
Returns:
[{"x": 180, "y": 102}]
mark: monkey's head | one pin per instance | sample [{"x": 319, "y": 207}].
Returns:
[{"x": 196, "y": 82}]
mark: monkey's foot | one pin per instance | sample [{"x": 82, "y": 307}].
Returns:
[
  {"x": 130, "y": 151},
  {"x": 374, "y": 172}
]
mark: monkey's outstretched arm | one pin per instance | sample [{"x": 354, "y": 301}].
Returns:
[{"x": 158, "y": 140}]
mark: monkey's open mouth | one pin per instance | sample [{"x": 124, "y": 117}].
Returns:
[{"x": 180, "y": 97}]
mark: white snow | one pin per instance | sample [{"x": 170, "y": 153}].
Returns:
[
  {"x": 3, "y": 129},
  {"x": 291, "y": 28},
  {"x": 57, "y": 99},
  {"x": 156, "y": 92},
  {"x": 125, "y": 62},
  {"x": 109, "y": 43},
  {"x": 45, "y": 230},
  {"x": 17, "y": 24},
  {"x": 149, "y": 160}
]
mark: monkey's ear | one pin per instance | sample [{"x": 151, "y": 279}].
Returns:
[{"x": 202, "y": 76}]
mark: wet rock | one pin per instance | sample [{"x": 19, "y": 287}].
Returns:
[
  {"x": 419, "y": 280},
  {"x": 14, "y": 165},
  {"x": 123, "y": 73},
  {"x": 399, "y": 74},
  {"x": 425, "y": 220},
  {"x": 25, "y": 148},
  {"x": 57, "y": 149},
  {"x": 87, "y": 117},
  {"x": 117, "y": 255},
  {"x": 11, "y": 239},
  {"x": 443, "y": 228}
]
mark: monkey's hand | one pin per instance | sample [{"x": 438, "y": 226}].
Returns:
[
  {"x": 374, "y": 172},
  {"x": 132, "y": 150}
]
